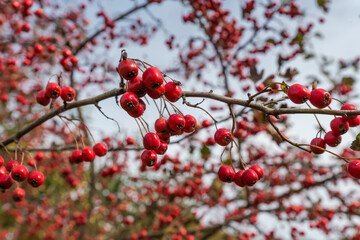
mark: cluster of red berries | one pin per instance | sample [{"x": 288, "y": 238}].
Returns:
[
  {"x": 15, "y": 171},
  {"x": 241, "y": 178},
  {"x": 53, "y": 91},
  {"x": 87, "y": 154}
]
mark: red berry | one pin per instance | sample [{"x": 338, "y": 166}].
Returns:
[
  {"x": 88, "y": 154},
  {"x": 137, "y": 86},
  {"x": 28, "y": 3},
  {"x": 298, "y": 94},
  {"x": 349, "y": 106},
  {"x": 226, "y": 173},
  {"x": 3, "y": 171},
  {"x": 128, "y": 69},
  {"x": 161, "y": 125},
  {"x": 39, "y": 156},
  {"x": 249, "y": 177},
  {"x": 25, "y": 27},
  {"x": 223, "y": 136},
  {"x": 67, "y": 94},
  {"x": 164, "y": 136},
  {"x": 190, "y": 123},
  {"x": 74, "y": 60},
  {"x": 35, "y": 178},
  {"x": 354, "y": 122},
  {"x": 42, "y": 98},
  {"x": 18, "y": 194},
  {"x": 76, "y": 156},
  {"x": 11, "y": 164},
  {"x": 176, "y": 122},
  {"x": 6, "y": 181},
  {"x": 259, "y": 171},
  {"x": 38, "y": 48},
  {"x": 157, "y": 92},
  {"x": 66, "y": 53},
  {"x": 129, "y": 101},
  {"x": 149, "y": 158},
  {"x": 238, "y": 180},
  {"x": 339, "y": 125},
  {"x": 320, "y": 98},
  {"x": 100, "y": 149},
  {"x": 332, "y": 139},
  {"x": 317, "y": 142},
  {"x": 16, "y": 5},
  {"x": 137, "y": 112},
  {"x": 151, "y": 141},
  {"x": 39, "y": 12},
  {"x": 206, "y": 123},
  {"x": 1, "y": 161},
  {"x": 162, "y": 148},
  {"x": 354, "y": 168},
  {"x": 172, "y": 91},
  {"x": 19, "y": 173},
  {"x": 152, "y": 78},
  {"x": 53, "y": 90}
]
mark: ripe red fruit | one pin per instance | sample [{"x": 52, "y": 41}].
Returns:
[
  {"x": 38, "y": 48},
  {"x": 100, "y": 149},
  {"x": 39, "y": 12},
  {"x": 339, "y": 125},
  {"x": 190, "y": 123},
  {"x": 172, "y": 91},
  {"x": 259, "y": 171},
  {"x": 162, "y": 148},
  {"x": 176, "y": 122},
  {"x": 128, "y": 69},
  {"x": 226, "y": 173},
  {"x": 66, "y": 53},
  {"x": 354, "y": 168},
  {"x": 332, "y": 139},
  {"x": 320, "y": 98},
  {"x": 137, "y": 86},
  {"x": 11, "y": 164},
  {"x": 349, "y": 106},
  {"x": 164, "y": 136},
  {"x": 74, "y": 60},
  {"x": 1, "y": 161},
  {"x": 53, "y": 90},
  {"x": 76, "y": 156},
  {"x": 6, "y": 181},
  {"x": 151, "y": 141},
  {"x": 161, "y": 125},
  {"x": 16, "y": 5},
  {"x": 18, "y": 194},
  {"x": 137, "y": 112},
  {"x": 36, "y": 178},
  {"x": 129, "y": 101},
  {"x": 67, "y": 94},
  {"x": 237, "y": 178},
  {"x": 42, "y": 98},
  {"x": 39, "y": 156},
  {"x": 249, "y": 177},
  {"x": 157, "y": 92},
  {"x": 3, "y": 171},
  {"x": 223, "y": 136},
  {"x": 19, "y": 173},
  {"x": 354, "y": 122},
  {"x": 28, "y": 3},
  {"x": 149, "y": 158},
  {"x": 298, "y": 94},
  {"x": 152, "y": 78},
  {"x": 317, "y": 142},
  {"x": 25, "y": 27},
  {"x": 88, "y": 154},
  {"x": 206, "y": 123}
]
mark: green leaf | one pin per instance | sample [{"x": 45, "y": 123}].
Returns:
[
  {"x": 348, "y": 80},
  {"x": 355, "y": 145},
  {"x": 323, "y": 4},
  {"x": 318, "y": 35},
  {"x": 205, "y": 151},
  {"x": 309, "y": 55},
  {"x": 228, "y": 161}
]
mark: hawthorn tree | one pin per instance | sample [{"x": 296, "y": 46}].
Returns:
[{"x": 199, "y": 146}]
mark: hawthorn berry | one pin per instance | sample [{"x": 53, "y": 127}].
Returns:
[
  {"x": 38, "y": 48},
  {"x": 249, "y": 177},
  {"x": 164, "y": 136},
  {"x": 67, "y": 94},
  {"x": 354, "y": 122},
  {"x": 320, "y": 98},
  {"x": 176, "y": 122},
  {"x": 128, "y": 69},
  {"x": 88, "y": 154},
  {"x": 53, "y": 90},
  {"x": 137, "y": 86},
  {"x": 129, "y": 101},
  {"x": 172, "y": 91},
  {"x": 19, "y": 173},
  {"x": 152, "y": 78},
  {"x": 319, "y": 142},
  {"x": 39, "y": 156},
  {"x": 5, "y": 181},
  {"x": 100, "y": 149},
  {"x": 349, "y": 106},
  {"x": 161, "y": 125},
  {"x": 42, "y": 98},
  {"x": 36, "y": 179},
  {"x": 1, "y": 161},
  {"x": 162, "y": 148},
  {"x": 149, "y": 158},
  {"x": 157, "y": 92},
  {"x": 151, "y": 141},
  {"x": 190, "y": 123},
  {"x": 354, "y": 168},
  {"x": 76, "y": 156},
  {"x": 259, "y": 171},
  {"x": 66, "y": 53},
  {"x": 137, "y": 112},
  {"x": 339, "y": 125},
  {"x": 298, "y": 94},
  {"x": 3, "y": 171},
  {"x": 223, "y": 136},
  {"x": 237, "y": 178},
  {"x": 11, "y": 164},
  {"x": 332, "y": 139},
  {"x": 18, "y": 194},
  {"x": 226, "y": 173}
]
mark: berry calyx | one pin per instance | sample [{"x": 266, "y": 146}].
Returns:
[
  {"x": 226, "y": 173},
  {"x": 152, "y": 78},
  {"x": 100, "y": 149},
  {"x": 249, "y": 177},
  {"x": 129, "y": 101},
  {"x": 36, "y": 179},
  {"x": 332, "y": 139},
  {"x": 176, "y": 122},
  {"x": 88, "y": 154},
  {"x": 128, "y": 69},
  {"x": 237, "y": 178},
  {"x": 149, "y": 158},
  {"x": 53, "y": 90},
  {"x": 223, "y": 136},
  {"x": 42, "y": 98},
  {"x": 354, "y": 168},
  {"x": 319, "y": 142},
  {"x": 298, "y": 94},
  {"x": 151, "y": 141},
  {"x": 339, "y": 125},
  {"x": 18, "y": 194},
  {"x": 67, "y": 94},
  {"x": 320, "y": 98},
  {"x": 19, "y": 173}
]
